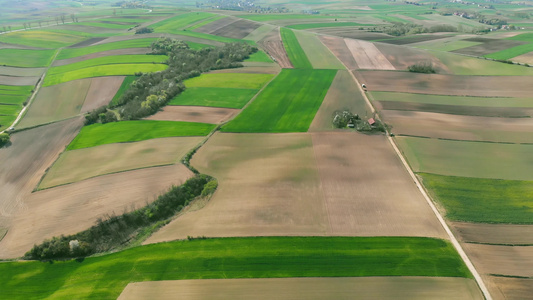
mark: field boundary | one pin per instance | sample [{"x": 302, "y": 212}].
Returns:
[{"x": 422, "y": 190}]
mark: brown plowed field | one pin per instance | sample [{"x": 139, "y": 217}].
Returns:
[
  {"x": 57, "y": 102},
  {"x": 510, "y": 288},
  {"x": 118, "y": 157},
  {"x": 342, "y": 94},
  {"x": 335, "y": 183},
  {"x": 367, "y": 190},
  {"x": 407, "y": 82},
  {"x": 494, "y": 233},
  {"x": 273, "y": 46},
  {"x": 101, "y": 54},
  {"x": 199, "y": 114},
  {"x": 524, "y": 58},
  {"x": 489, "y": 46},
  {"x": 504, "y": 260},
  {"x": 268, "y": 186},
  {"x": 455, "y": 127},
  {"x": 24, "y": 163},
  {"x": 101, "y": 91},
  {"x": 340, "y": 50},
  {"x": 367, "y": 56},
  {"x": 75, "y": 207},
  {"x": 402, "y": 57},
  {"x": 488, "y": 111},
  {"x": 13, "y": 80},
  {"x": 237, "y": 30},
  {"x": 215, "y": 25},
  {"x": 408, "y": 288}
]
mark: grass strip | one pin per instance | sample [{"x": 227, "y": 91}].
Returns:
[
  {"x": 106, "y": 276},
  {"x": 123, "y": 88},
  {"x": 295, "y": 52},
  {"x": 259, "y": 56},
  {"x": 288, "y": 104},
  {"x": 26, "y": 58},
  {"x": 99, "y": 71},
  {"x": 214, "y": 97},
  {"x": 132, "y": 131},
  {"x": 482, "y": 200},
  {"x": 134, "y": 43}
]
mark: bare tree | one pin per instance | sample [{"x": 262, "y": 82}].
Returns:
[{"x": 63, "y": 18}]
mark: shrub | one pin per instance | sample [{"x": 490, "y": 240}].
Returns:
[
  {"x": 4, "y": 139},
  {"x": 424, "y": 67},
  {"x": 143, "y": 30}
]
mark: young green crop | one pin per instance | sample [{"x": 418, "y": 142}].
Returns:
[
  {"x": 230, "y": 80},
  {"x": 26, "y": 58},
  {"x": 482, "y": 200},
  {"x": 131, "y": 131},
  {"x": 123, "y": 88},
  {"x": 134, "y": 43},
  {"x": 106, "y": 276},
  {"x": 108, "y": 60},
  {"x": 214, "y": 97},
  {"x": 288, "y": 104},
  {"x": 294, "y": 50}
]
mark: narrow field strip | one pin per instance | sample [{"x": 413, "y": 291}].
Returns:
[
  {"x": 261, "y": 257},
  {"x": 131, "y": 131},
  {"x": 288, "y": 104},
  {"x": 214, "y": 97},
  {"x": 128, "y": 80},
  {"x": 322, "y": 25},
  {"x": 104, "y": 70},
  {"x": 41, "y": 38},
  {"x": 26, "y": 58},
  {"x": 175, "y": 24},
  {"x": 229, "y": 80},
  {"x": 482, "y": 200},
  {"x": 318, "y": 54},
  {"x": 135, "y": 43},
  {"x": 295, "y": 52},
  {"x": 108, "y": 60},
  {"x": 13, "y": 99}
]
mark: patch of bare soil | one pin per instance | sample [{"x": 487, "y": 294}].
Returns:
[
  {"x": 200, "y": 114},
  {"x": 510, "y": 288},
  {"x": 237, "y": 30},
  {"x": 494, "y": 233},
  {"x": 273, "y": 46},
  {"x": 268, "y": 186},
  {"x": 16, "y": 80},
  {"x": 446, "y": 126},
  {"x": 368, "y": 56},
  {"x": 524, "y": 58},
  {"x": 489, "y": 46},
  {"x": 338, "y": 47},
  {"x": 367, "y": 190},
  {"x": 24, "y": 163},
  {"x": 87, "y": 42},
  {"x": 408, "y": 288},
  {"x": 75, "y": 207},
  {"x": 503, "y": 260},
  {"x": 215, "y": 25},
  {"x": 402, "y": 57},
  {"x": 101, "y": 54},
  {"x": 439, "y": 84},
  {"x": 101, "y": 91}
]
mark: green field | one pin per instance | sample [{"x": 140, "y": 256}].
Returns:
[
  {"x": 211, "y": 37},
  {"x": 288, "y": 104},
  {"x": 134, "y": 43},
  {"x": 13, "y": 99},
  {"x": 468, "y": 159},
  {"x": 104, "y": 25},
  {"x": 9, "y": 109},
  {"x": 318, "y": 54},
  {"x": 177, "y": 23},
  {"x": 132, "y": 131},
  {"x": 229, "y": 80},
  {"x": 511, "y": 52},
  {"x": 6, "y": 121},
  {"x": 15, "y": 89},
  {"x": 214, "y": 97},
  {"x": 108, "y": 60},
  {"x": 26, "y": 58},
  {"x": 295, "y": 52},
  {"x": 526, "y": 37},
  {"x": 446, "y": 45},
  {"x": 482, "y": 200},
  {"x": 464, "y": 65},
  {"x": 40, "y": 38},
  {"x": 259, "y": 56},
  {"x": 453, "y": 100},
  {"x": 99, "y": 71},
  {"x": 123, "y": 88},
  {"x": 205, "y": 22},
  {"x": 106, "y": 276},
  {"x": 273, "y": 17},
  {"x": 322, "y": 25}
]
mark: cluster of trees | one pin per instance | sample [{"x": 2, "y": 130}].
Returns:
[
  {"x": 401, "y": 29},
  {"x": 345, "y": 118},
  {"x": 143, "y": 30},
  {"x": 100, "y": 115},
  {"x": 153, "y": 90},
  {"x": 116, "y": 231},
  {"x": 4, "y": 139},
  {"x": 422, "y": 67}
]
